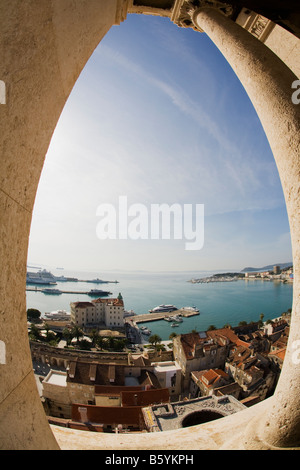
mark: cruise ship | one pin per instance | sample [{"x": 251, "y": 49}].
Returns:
[
  {"x": 41, "y": 277},
  {"x": 163, "y": 308},
  {"x": 58, "y": 315}
]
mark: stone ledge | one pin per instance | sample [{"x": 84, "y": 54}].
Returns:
[{"x": 222, "y": 434}]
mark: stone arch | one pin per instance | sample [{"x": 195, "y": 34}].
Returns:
[{"x": 45, "y": 46}]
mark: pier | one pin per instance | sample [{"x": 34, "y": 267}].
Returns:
[
  {"x": 35, "y": 289},
  {"x": 147, "y": 317}
]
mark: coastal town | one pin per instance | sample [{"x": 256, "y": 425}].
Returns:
[
  {"x": 94, "y": 372},
  {"x": 276, "y": 273}
]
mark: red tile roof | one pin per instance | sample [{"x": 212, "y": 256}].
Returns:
[
  {"x": 83, "y": 304},
  {"x": 210, "y": 376},
  {"x": 145, "y": 397},
  {"x": 192, "y": 341},
  {"x": 107, "y": 415}
]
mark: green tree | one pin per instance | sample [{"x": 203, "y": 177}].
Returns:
[
  {"x": 34, "y": 333},
  {"x": 94, "y": 336},
  {"x": 155, "y": 339},
  {"x": 33, "y": 314},
  {"x": 85, "y": 344},
  {"x": 111, "y": 342},
  {"x": 260, "y": 322},
  {"x": 100, "y": 342},
  {"x": 77, "y": 333},
  {"x": 211, "y": 327},
  {"x": 172, "y": 335},
  {"x": 67, "y": 335}
]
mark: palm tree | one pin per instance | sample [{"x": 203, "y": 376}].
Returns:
[
  {"x": 77, "y": 333},
  {"x": 172, "y": 335},
  {"x": 260, "y": 322},
  {"x": 34, "y": 332},
  {"x": 94, "y": 336},
  {"x": 67, "y": 335},
  {"x": 111, "y": 342},
  {"x": 154, "y": 339},
  {"x": 100, "y": 342}
]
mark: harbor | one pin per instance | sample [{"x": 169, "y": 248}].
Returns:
[
  {"x": 93, "y": 292},
  {"x": 156, "y": 316}
]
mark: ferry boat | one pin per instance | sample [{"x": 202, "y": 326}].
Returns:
[
  {"x": 98, "y": 293},
  {"x": 163, "y": 308},
  {"x": 51, "y": 291},
  {"x": 97, "y": 281}
]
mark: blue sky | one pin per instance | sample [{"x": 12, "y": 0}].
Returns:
[{"x": 159, "y": 116}]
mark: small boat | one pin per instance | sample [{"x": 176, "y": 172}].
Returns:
[
  {"x": 145, "y": 331},
  {"x": 174, "y": 324},
  {"x": 167, "y": 319},
  {"x": 191, "y": 309},
  {"x": 178, "y": 319}
]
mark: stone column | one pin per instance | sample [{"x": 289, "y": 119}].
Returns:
[
  {"x": 268, "y": 83},
  {"x": 44, "y": 45}
]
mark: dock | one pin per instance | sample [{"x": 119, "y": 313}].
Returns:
[
  {"x": 63, "y": 292},
  {"x": 147, "y": 317}
]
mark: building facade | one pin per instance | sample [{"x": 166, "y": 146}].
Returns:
[{"x": 99, "y": 312}]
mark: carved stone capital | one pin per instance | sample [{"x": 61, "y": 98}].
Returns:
[
  {"x": 184, "y": 10},
  {"x": 121, "y": 11}
]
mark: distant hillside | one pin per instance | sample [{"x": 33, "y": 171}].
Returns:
[{"x": 267, "y": 268}]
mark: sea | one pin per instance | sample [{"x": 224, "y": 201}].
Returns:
[{"x": 219, "y": 303}]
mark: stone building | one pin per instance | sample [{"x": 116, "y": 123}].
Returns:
[
  {"x": 204, "y": 382},
  {"x": 251, "y": 371},
  {"x": 204, "y": 350},
  {"x": 99, "y": 312}
]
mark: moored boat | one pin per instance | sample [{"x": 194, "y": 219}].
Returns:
[{"x": 163, "y": 308}]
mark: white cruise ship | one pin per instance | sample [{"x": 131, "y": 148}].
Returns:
[
  {"x": 163, "y": 308},
  {"x": 58, "y": 315},
  {"x": 41, "y": 277}
]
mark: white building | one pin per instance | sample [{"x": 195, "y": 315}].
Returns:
[{"x": 108, "y": 312}]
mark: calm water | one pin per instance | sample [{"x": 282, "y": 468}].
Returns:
[{"x": 219, "y": 303}]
